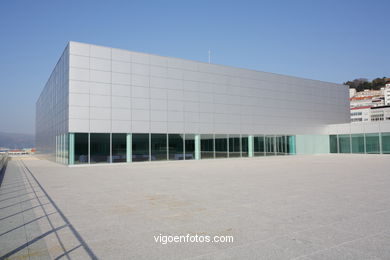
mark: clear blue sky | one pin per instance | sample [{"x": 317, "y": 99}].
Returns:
[{"x": 330, "y": 40}]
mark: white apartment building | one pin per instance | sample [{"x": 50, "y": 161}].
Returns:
[
  {"x": 360, "y": 114},
  {"x": 386, "y": 94}
]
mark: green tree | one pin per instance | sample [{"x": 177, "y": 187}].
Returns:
[{"x": 361, "y": 84}]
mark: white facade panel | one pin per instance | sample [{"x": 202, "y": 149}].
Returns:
[
  {"x": 76, "y": 86},
  {"x": 175, "y": 127},
  {"x": 140, "y": 69},
  {"x": 100, "y": 113},
  {"x": 77, "y": 61},
  {"x": 140, "y": 126},
  {"x": 99, "y": 126},
  {"x": 100, "y": 64},
  {"x": 140, "y": 103},
  {"x": 121, "y": 102},
  {"x": 100, "y": 89},
  {"x": 121, "y": 78},
  {"x": 77, "y": 99},
  {"x": 158, "y": 127},
  {"x": 121, "y": 67},
  {"x": 79, "y": 125},
  {"x": 121, "y": 126},
  {"x": 79, "y": 74},
  {"x": 79, "y": 48},
  {"x": 158, "y": 116},
  {"x": 140, "y": 92},
  {"x": 121, "y": 90},
  {"x": 140, "y": 115},
  {"x": 79, "y": 112},
  {"x": 100, "y": 101},
  {"x": 158, "y": 104},
  {"x": 120, "y": 55},
  {"x": 359, "y": 128},
  {"x": 100, "y": 76},
  {"x": 100, "y": 52},
  {"x": 121, "y": 114}
]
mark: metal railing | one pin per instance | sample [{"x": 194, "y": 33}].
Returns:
[{"x": 3, "y": 160}]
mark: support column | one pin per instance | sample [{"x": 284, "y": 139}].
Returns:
[
  {"x": 292, "y": 144},
  {"x": 129, "y": 144},
  {"x": 71, "y": 148},
  {"x": 61, "y": 148},
  {"x": 250, "y": 145},
  {"x": 350, "y": 143},
  {"x": 275, "y": 146},
  {"x": 57, "y": 148},
  {"x": 365, "y": 149},
  {"x": 197, "y": 147}
]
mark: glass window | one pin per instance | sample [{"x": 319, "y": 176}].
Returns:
[
  {"x": 286, "y": 147},
  {"x": 385, "y": 142},
  {"x": 372, "y": 143},
  {"x": 333, "y": 143},
  {"x": 206, "y": 146},
  {"x": 291, "y": 147},
  {"x": 258, "y": 145},
  {"x": 80, "y": 148},
  {"x": 244, "y": 146},
  {"x": 234, "y": 146},
  {"x": 344, "y": 143},
  {"x": 270, "y": 145},
  {"x": 100, "y": 148},
  {"x": 119, "y": 147},
  {"x": 357, "y": 143},
  {"x": 140, "y": 145},
  {"x": 159, "y": 147},
  {"x": 279, "y": 145},
  {"x": 176, "y": 142},
  {"x": 221, "y": 146},
  {"x": 60, "y": 149},
  {"x": 189, "y": 149},
  {"x": 66, "y": 136},
  {"x": 288, "y": 150}
]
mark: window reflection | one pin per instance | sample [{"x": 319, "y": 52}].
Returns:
[
  {"x": 206, "y": 146},
  {"x": 176, "y": 143},
  {"x": 159, "y": 147},
  {"x": 140, "y": 146},
  {"x": 189, "y": 152},
  {"x": 221, "y": 146},
  {"x": 100, "y": 148}
]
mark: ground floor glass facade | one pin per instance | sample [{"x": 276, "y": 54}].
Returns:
[
  {"x": 371, "y": 143},
  {"x": 95, "y": 148}
]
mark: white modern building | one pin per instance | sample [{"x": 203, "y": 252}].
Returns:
[
  {"x": 360, "y": 114},
  {"x": 386, "y": 94},
  {"x": 352, "y": 92},
  {"x": 109, "y": 105}
]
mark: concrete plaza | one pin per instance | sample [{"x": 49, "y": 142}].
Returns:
[{"x": 286, "y": 207}]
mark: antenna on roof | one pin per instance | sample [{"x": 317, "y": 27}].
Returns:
[{"x": 209, "y": 56}]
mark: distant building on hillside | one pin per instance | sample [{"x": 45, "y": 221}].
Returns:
[
  {"x": 386, "y": 94},
  {"x": 370, "y": 105},
  {"x": 352, "y": 92}
]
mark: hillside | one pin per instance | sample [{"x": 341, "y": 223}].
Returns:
[{"x": 362, "y": 83}]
